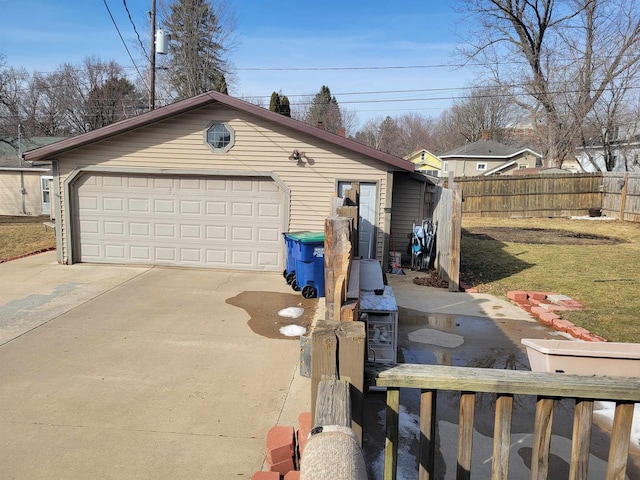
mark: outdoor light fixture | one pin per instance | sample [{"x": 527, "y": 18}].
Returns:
[{"x": 300, "y": 158}]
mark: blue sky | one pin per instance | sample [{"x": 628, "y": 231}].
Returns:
[{"x": 338, "y": 42}]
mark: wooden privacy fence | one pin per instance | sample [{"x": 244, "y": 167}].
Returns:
[
  {"x": 546, "y": 387},
  {"x": 621, "y": 195},
  {"x": 531, "y": 195},
  {"x": 614, "y": 194}
]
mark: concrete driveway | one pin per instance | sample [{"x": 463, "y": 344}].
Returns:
[{"x": 117, "y": 372}]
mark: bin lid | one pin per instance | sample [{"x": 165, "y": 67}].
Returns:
[{"x": 307, "y": 237}]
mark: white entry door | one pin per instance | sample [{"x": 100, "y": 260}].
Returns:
[{"x": 367, "y": 221}]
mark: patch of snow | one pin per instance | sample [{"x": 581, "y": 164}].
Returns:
[
  {"x": 409, "y": 431},
  {"x": 291, "y": 312},
  {"x": 606, "y": 410},
  {"x": 292, "y": 330},
  {"x": 586, "y": 217}
]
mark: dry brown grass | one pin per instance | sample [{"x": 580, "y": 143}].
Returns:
[
  {"x": 603, "y": 277},
  {"x": 22, "y": 235}
]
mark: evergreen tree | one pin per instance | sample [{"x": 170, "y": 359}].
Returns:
[
  {"x": 280, "y": 104},
  {"x": 325, "y": 111},
  {"x": 274, "y": 103},
  {"x": 196, "y": 62},
  {"x": 285, "y": 107}
]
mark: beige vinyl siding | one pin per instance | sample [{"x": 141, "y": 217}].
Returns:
[
  {"x": 410, "y": 204},
  {"x": 11, "y": 197},
  {"x": 260, "y": 147}
]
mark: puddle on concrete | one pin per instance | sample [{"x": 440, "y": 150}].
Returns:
[
  {"x": 473, "y": 342},
  {"x": 263, "y": 308}
]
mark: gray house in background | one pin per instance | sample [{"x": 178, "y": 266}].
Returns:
[{"x": 488, "y": 157}]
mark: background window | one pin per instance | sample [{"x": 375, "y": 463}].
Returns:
[{"x": 481, "y": 166}]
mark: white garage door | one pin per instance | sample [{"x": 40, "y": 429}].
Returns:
[{"x": 223, "y": 222}]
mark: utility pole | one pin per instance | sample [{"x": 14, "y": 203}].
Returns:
[{"x": 152, "y": 58}]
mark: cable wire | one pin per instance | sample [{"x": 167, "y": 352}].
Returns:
[
  {"x": 125, "y": 43},
  {"x": 144, "y": 50}
]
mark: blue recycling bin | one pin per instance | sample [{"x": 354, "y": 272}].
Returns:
[
  {"x": 307, "y": 251},
  {"x": 292, "y": 251}
]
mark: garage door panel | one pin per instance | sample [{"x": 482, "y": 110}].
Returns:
[{"x": 203, "y": 221}]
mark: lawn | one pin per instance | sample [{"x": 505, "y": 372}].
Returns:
[
  {"x": 593, "y": 261},
  {"x": 21, "y": 235}
]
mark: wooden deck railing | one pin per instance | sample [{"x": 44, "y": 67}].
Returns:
[{"x": 546, "y": 387}]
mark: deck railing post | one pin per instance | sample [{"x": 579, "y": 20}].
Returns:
[
  {"x": 620, "y": 440},
  {"x": 502, "y": 437},
  {"x": 581, "y": 439},
  {"x": 465, "y": 434},
  {"x": 392, "y": 434},
  {"x": 428, "y": 406},
  {"x": 542, "y": 438}
]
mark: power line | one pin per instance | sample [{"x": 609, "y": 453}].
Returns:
[
  {"x": 135, "y": 29},
  {"x": 123, "y": 42}
]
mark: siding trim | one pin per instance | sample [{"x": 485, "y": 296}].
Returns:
[
  {"x": 57, "y": 210},
  {"x": 79, "y": 172}
]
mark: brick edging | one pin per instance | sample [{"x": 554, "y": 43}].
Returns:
[
  {"x": 545, "y": 306},
  {"x": 18, "y": 257}
]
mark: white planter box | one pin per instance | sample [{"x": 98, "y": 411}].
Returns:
[{"x": 584, "y": 358}]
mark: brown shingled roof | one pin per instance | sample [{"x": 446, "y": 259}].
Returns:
[{"x": 178, "y": 108}]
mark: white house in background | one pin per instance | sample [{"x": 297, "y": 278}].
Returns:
[{"x": 625, "y": 149}]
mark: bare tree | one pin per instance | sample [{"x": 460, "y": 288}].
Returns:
[
  {"x": 484, "y": 110},
  {"x": 11, "y": 83},
  {"x": 399, "y": 135},
  {"x": 416, "y": 132},
  {"x": 557, "y": 57},
  {"x": 447, "y": 135}
]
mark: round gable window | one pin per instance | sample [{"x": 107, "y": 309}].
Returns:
[{"x": 219, "y": 137}]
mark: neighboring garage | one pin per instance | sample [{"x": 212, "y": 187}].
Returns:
[
  {"x": 224, "y": 222},
  {"x": 211, "y": 181}
]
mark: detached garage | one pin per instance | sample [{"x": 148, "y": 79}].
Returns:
[{"x": 211, "y": 181}]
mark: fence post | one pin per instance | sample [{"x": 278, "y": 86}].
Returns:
[
  {"x": 623, "y": 195},
  {"x": 454, "y": 246},
  {"x": 337, "y": 255}
]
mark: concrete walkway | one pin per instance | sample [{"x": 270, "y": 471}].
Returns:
[{"x": 135, "y": 372}]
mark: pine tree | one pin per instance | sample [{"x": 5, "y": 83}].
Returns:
[
  {"x": 325, "y": 111},
  {"x": 274, "y": 103},
  {"x": 196, "y": 61},
  {"x": 280, "y": 104},
  {"x": 285, "y": 106}
]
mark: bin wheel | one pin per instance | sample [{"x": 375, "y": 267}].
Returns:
[
  {"x": 294, "y": 284},
  {"x": 284, "y": 273},
  {"x": 290, "y": 277},
  {"x": 309, "y": 291}
]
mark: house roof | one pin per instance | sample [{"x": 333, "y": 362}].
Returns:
[
  {"x": 199, "y": 101},
  {"x": 9, "y": 153},
  {"x": 500, "y": 168},
  {"x": 486, "y": 149}
]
